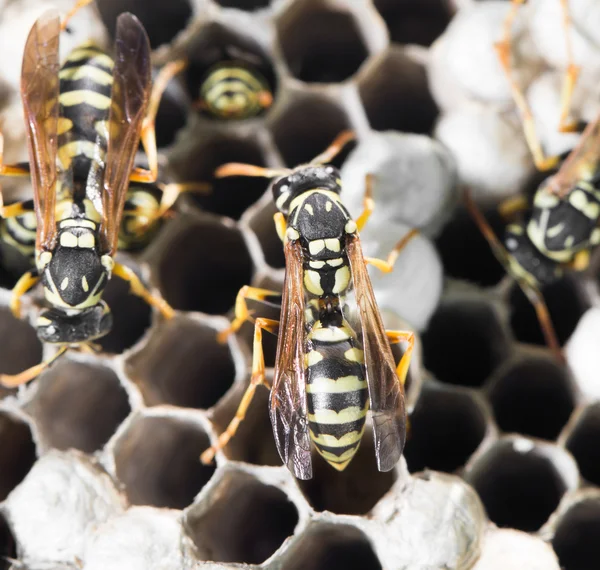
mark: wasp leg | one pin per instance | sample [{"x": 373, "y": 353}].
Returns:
[
  {"x": 565, "y": 125},
  {"x": 511, "y": 206},
  {"x": 242, "y": 314},
  {"x": 406, "y": 336},
  {"x": 78, "y": 6},
  {"x": 258, "y": 378},
  {"x": 388, "y": 264},
  {"x": 24, "y": 284},
  {"x": 334, "y": 148},
  {"x": 503, "y": 49},
  {"x": 148, "y": 135},
  {"x": 137, "y": 288},
  {"x": 13, "y": 210},
  {"x": 14, "y": 380}
]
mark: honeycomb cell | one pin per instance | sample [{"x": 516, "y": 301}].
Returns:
[
  {"x": 157, "y": 461},
  {"x": 415, "y": 23},
  {"x": 447, "y": 426},
  {"x": 354, "y": 491},
  {"x": 163, "y": 21},
  {"x": 464, "y": 342},
  {"x": 19, "y": 345},
  {"x": 395, "y": 95},
  {"x": 582, "y": 442},
  {"x": 533, "y": 397},
  {"x": 521, "y": 483},
  {"x": 229, "y": 196},
  {"x": 202, "y": 265},
  {"x": 306, "y": 127},
  {"x": 326, "y": 546},
  {"x": 66, "y": 403},
  {"x": 8, "y": 545},
  {"x": 246, "y": 521},
  {"x": 18, "y": 453},
  {"x": 261, "y": 223},
  {"x": 566, "y": 303},
  {"x": 577, "y": 537},
  {"x": 320, "y": 45},
  {"x": 182, "y": 364}
]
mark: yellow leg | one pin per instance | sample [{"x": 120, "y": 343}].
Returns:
[
  {"x": 14, "y": 380},
  {"x": 406, "y": 336},
  {"x": 258, "y": 378},
  {"x": 265, "y": 99},
  {"x": 26, "y": 282},
  {"x": 242, "y": 314},
  {"x": 13, "y": 210},
  {"x": 137, "y": 288},
  {"x": 148, "y": 135},
  {"x": 566, "y": 125},
  {"x": 334, "y": 148},
  {"x": 387, "y": 265},
  {"x": 78, "y": 6},
  {"x": 368, "y": 203},
  {"x": 280, "y": 225},
  {"x": 503, "y": 49},
  {"x": 511, "y": 206}
]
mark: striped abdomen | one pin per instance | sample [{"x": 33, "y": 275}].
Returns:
[
  {"x": 336, "y": 392},
  {"x": 85, "y": 91}
]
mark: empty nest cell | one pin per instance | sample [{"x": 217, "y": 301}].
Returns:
[
  {"x": 583, "y": 443},
  {"x": 8, "y": 545},
  {"x": 446, "y": 427},
  {"x": 78, "y": 405},
  {"x": 19, "y": 345},
  {"x": 320, "y": 45},
  {"x": 17, "y": 457},
  {"x": 157, "y": 461},
  {"x": 182, "y": 364},
  {"x": 246, "y": 521},
  {"x": 533, "y": 397}
]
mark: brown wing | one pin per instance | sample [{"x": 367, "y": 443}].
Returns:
[
  {"x": 39, "y": 92},
  {"x": 130, "y": 93},
  {"x": 288, "y": 394},
  {"x": 582, "y": 162},
  {"x": 385, "y": 391}
]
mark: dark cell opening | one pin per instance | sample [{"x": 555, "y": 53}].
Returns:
[
  {"x": 583, "y": 444},
  {"x": 17, "y": 457},
  {"x": 577, "y": 537},
  {"x": 8, "y": 545}
]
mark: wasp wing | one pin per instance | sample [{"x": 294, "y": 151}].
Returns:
[
  {"x": 130, "y": 94},
  {"x": 582, "y": 162},
  {"x": 385, "y": 391},
  {"x": 40, "y": 92},
  {"x": 288, "y": 394}
]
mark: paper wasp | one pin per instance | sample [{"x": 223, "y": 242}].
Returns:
[
  {"x": 333, "y": 357},
  {"x": 85, "y": 120},
  {"x": 560, "y": 227}
]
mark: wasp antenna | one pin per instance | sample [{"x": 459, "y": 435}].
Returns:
[
  {"x": 240, "y": 169},
  {"x": 335, "y": 147}
]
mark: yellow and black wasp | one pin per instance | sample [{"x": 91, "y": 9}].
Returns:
[
  {"x": 333, "y": 360},
  {"x": 84, "y": 123},
  {"x": 561, "y": 226}
]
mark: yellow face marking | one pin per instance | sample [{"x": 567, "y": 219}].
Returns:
[
  {"x": 309, "y": 209},
  {"x": 282, "y": 199},
  {"x": 313, "y": 357},
  {"x": 298, "y": 200},
  {"x": 578, "y": 199},
  {"x": 329, "y": 440},
  {"x": 333, "y": 244},
  {"x": 67, "y": 239},
  {"x": 330, "y": 417},
  {"x": 545, "y": 199},
  {"x": 87, "y": 241},
  {"x": 64, "y": 284},
  {"x": 335, "y": 262},
  {"x": 569, "y": 241},
  {"x": 336, "y": 386},
  {"x": 595, "y": 236},
  {"x": 351, "y": 227},
  {"x": 84, "y": 284},
  {"x": 64, "y": 125},
  {"x": 328, "y": 206},
  {"x": 557, "y": 229},
  {"x": 316, "y": 246},
  {"x": 79, "y": 96},
  {"x": 354, "y": 355},
  {"x": 312, "y": 281},
  {"x": 342, "y": 279},
  {"x": 84, "y": 72}
]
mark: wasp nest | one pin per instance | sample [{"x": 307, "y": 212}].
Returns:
[{"x": 99, "y": 455}]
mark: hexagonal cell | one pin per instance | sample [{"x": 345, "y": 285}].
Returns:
[
  {"x": 202, "y": 265},
  {"x": 18, "y": 454},
  {"x": 415, "y": 23},
  {"x": 464, "y": 342},
  {"x": 162, "y": 21},
  {"x": 446, "y": 427},
  {"x": 533, "y": 396},
  {"x": 262, "y": 517},
  {"x": 307, "y": 126},
  {"x": 582, "y": 442},
  {"x": 354, "y": 491},
  {"x": 215, "y": 43},
  {"x": 182, "y": 364},
  {"x": 566, "y": 303},
  {"x": 395, "y": 94},
  {"x": 521, "y": 483},
  {"x": 66, "y": 403},
  {"x": 325, "y": 546},
  {"x": 320, "y": 45},
  {"x": 465, "y": 253},
  {"x": 577, "y": 537},
  {"x": 157, "y": 460}
]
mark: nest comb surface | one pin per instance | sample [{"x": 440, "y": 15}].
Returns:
[{"x": 99, "y": 456}]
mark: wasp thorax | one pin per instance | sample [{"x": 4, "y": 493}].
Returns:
[{"x": 58, "y": 327}]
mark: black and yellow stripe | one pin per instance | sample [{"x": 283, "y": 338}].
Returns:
[{"x": 336, "y": 390}]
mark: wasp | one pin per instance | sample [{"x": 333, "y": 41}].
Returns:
[
  {"x": 84, "y": 120},
  {"x": 333, "y": 359},
  {"x": 559, "y": 228}
]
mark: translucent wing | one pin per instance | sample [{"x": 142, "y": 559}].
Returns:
[
  {"x": 130, "y": 93},
  {"x": 582, "y": 162},
  {"x": 39, "y": 92},
  {"x": 385, "y": 391},
  {"x": 288, "y": 394}
]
